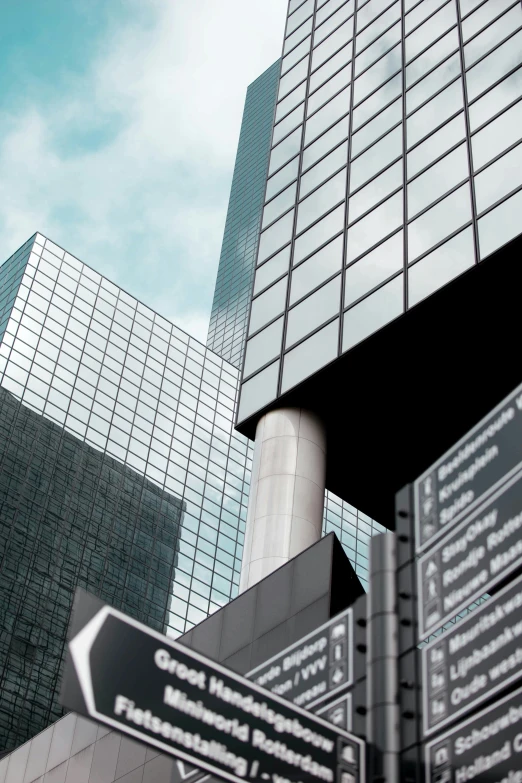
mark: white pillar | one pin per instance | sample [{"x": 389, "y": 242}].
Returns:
[{"x": 285, "y": 509}]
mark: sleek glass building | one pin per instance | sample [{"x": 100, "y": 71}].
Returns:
[{"x": 119, "y": 471}]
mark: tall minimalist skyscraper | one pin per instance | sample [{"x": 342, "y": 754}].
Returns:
[{"x": 119, "y": 471}]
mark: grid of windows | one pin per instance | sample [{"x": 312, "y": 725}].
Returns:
[
  {"x": 395, "y": 166},
  {"x": 228, "y": 320}
]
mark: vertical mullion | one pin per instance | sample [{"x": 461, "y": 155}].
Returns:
[{"x": 404, "y": 159}]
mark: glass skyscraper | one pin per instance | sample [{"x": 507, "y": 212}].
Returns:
[{"x": 119, "y": 470}]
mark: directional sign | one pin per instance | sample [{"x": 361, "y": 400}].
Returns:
[
  {"x": 479, "y": 553},
  {"x": 313, "y": 669},
  {"x": 487, "y": 748},
  {"x": 489, "y": 454},
  {"x": 143, "y": 684},
  {"x": 339, "y": 711},
  {"x": 474, "y": 660}
]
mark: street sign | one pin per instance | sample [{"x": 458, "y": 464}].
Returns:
[
  {"x": 479, "y": 553},
  {"x": 475, "y": 659},
  {"x": 486, "y": 748},
  {"x": 141, "y": 683},
  {"x": 313, "y": 669},
  {"x": 481, "y": 461},
  {"x": 339, "y": 711}
]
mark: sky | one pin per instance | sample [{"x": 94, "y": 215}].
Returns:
[{"x": 119, "y": 122}]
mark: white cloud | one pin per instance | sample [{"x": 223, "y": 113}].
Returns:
[{"x": 129, "y": 167}]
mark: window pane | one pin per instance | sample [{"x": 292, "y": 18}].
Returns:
[
  {"x": 424, "y": 9},
  {"x": 500, "y": 225},
  {"x": 282, "y": 178},
  {"x": 381, "y": 24},
  {"x": 330, "y": 67},
  {"x": 495, "y": 100},
  {"x": 280, "y": 204},
  {"x": 437, "y": 180},
  {"x": 438, "y": 222},
  {"x": 319, "y": 267},
  {"x": 313, "y": 311},
  {"x": 492, "y": 35},
  {"x": 275, "y": 236},
  {"x": 289, "y": 123},
  {"x": 369, "y": 11},
  {"x": 376, "y": 158},
  {"x": 268, "y": 305},
  {"x": 481, "y": 18},
  {"x": 499, "y": 179},
  {"x": 264, "y": 346},
  {"x": 377, "y": 101},
  {"x": 497, "y": 136},
  {"x": 377, "y": 74},
  {"x": 310, "y": 355},
  {"x": 296, "y": 54},
  {"x": 438, "y": 268},
  {"x": 323, "y": 169},
  {"x": 319, "y": 234},
  {"x": 432, "y": 83},
  {"x": 375, "y": 191},
  {"x": 430, "y": 30},
  {"x": 293, "y": 78},
  {"x": 374, "y": 268},
  {"x": 433, "y": 114},
  {"x": 376, "y": 127},
  {"x": 321, "y": 200},
  {"x": 377, "y": 48},
  {"x": 325, "y": 143},
  {"x": 324, "y": 11},
  {"x": 494, "y": 66},
  {"x": 298, "y": 17},
  {"x": 285, "y": 150},
  {"x": 330, "y": 88},
  {"x": 436, "y": 145},
  {"x": 334, "y": 42},
  {"x": 373, "y": 313},
  {"x": 298, "y": 35},
  {"x": 333, "y": 22},
  {"x": 258, "y": 391},
  {"x": 432, "y": 57},
  {"x": 327, "y": 115},
  {"x": 375, "y": 226},
  {"x": 273, "y": 269}
]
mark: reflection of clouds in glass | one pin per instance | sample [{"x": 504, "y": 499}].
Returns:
[
  {"x": 322, "y": 170},
  {"x": 482, "y": 17},
  {"x": 299, "y": 16},
  {"x": 373, "y": 313},
  {"x": 433, "y": 82},
  {"x": 328, "y": 8},
  {"x": 273, "y": 269},
  {"x": 293, "y": 78},
  {"x": 441, "y": 266},
  {"x": 310, "y": 356},
  {"x": 436, "y": 144},
  {"x": 499, "y": 179},
  {"x": 433, "y": 114},
  {"x": 330, "y": 88},
  {"x": 268, "y": 305},
  {"x": 298, "y": 36},
  {"x": 319, "y": 234},
  {"x": 496, "y": 99},
  {"x": 500, "y": 225},
  {"x": 375, "y": 226},
  {"x": 329, "y": 68},
  {"x": 376, "y": 127},
  {"x": 290, "y": 102},
  {"x": 327, "y": 115},
  {"x": 494, "y": 66},
  {"x": 296, "y": 54},
  {"x": 495, "y": 137},
  {"x": 374, "y": 268},
  {"x": 369, "y": 11},
  {"x": 377, "y": 74},
  {"x": 321, "y": 200},
  {"x": 263, "y": 347},
  {"x": 376, "y": 158},
  {"x": 437, "y": 180},
  {"x": 333, "y": 22},
  {"x": 378, "y": 48},
  {"x": 313, "y": 311},
  {"x": 258, "y": 391},
  {"x": 285, "y": 150},
  {"x": 420, "y": 13},
  {"x": 377, "y": 101},
  {"x": 339, "y": 38},
  {"x": 325, "y": 143},
  {"x": 275, "y": 236},
  {"x": 276, "y": 207},
  {"x": 289, "y": 123},
  {"x": 493, "y": 34},
  {"x": 434, "y": 55},
  {"x": 424, "y": 35},
  {"x": 439, "y": 221},
  {"x": 372, "y": 32},
  {"x": 319, "y": 267},
  {"x": 375, "y": 191}
]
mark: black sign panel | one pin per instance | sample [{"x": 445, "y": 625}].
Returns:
[
  {"x": 313, "y": 669},
  {"x": 474, "y": 660},
  {"x": 479, "y": 553},
  {"x": 488, "y": 455},
  {"x": 139, "y": 682},
  {"x": 339, "y": 711},
  {"x": 484, "y": 749}
]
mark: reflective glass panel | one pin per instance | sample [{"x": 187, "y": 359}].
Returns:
[
  {"x": 294, "y": 5},
  {"x": 321, "y": 200},
  {"x": 375, "y": 158},
  {"x": 421, "y": 38},
  {"x": 266, "y": 345},
  {"x": 500, "y": 225},
  {"x": 289, "y": 123},
  {"x": 285, "y": 150},
  {"x": 433, "y": 82},
  {"x": 438, "y": 268},
  {"x": 319, "y": 234},
  {"x": 437, "y": 180},
  {"x": 499, "y": 179},
  {"x": 433, "y": 114},
  {"x": 283, "y": 177},
  {"x": 331, "y": 87},
  {"x": 280, "y": 204},
  {"x": 438, "y": 222},
  {"x": 376, "y": 127},
  {"x": 377, "y": 101},
  {"x": 290, "y": 102},
  {"x": 374, "y": 268},
  {"x": 298, "y": 36},
  {"x": 374, "y": 227},
  {"x": 325, "y": 10},
  {"x": 258, "y": 391},
  {"x": 367, "y": 12},
  {"x": 375, "y": 191},
  {"x": 497, "y": 136},
  {"x": 313, "y": 311},
  {"x": 296, "y": 54},
  {"x": 334, "y": 42},
  {"x": 333, "y": 21},
  {"x": 293, "y": 78},
  {"x": 299, "y": 16},
  {"x": 319, "y": 267},
  {"x": 273, "y": 269},
  {"x": 495, "y": 100},
  {"x": 377, "y": 74},
  {"x": 330, "y": 67},
  {"x": 494, "y": 66},
  {"x": 483, "y": 17},
  {"x": 268, "y": 305},
  {"x": 325, "y": 143},
  {"x": 492, "y": 35},
  {"x": 326, "y": 116},
  {"x": 420, "y": 12},
  {"x": 381, "y": 24},
  {"x": 322, "y": 170},
  {"x": 275, "y": 236},
  {"x": 435, "y": 145},
  {"x": 373, "y": 313},
  {"x": 466, "y": 6},
  {"x": 310, "y": 355},
  {"x": 432, "y": 57},
  {"x": 378, "y": 48}
]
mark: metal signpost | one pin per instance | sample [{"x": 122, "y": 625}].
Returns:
[
  {"x": 488, "y": 455},
  {"x": 139, "y": 682},
  {"x": 314, "y": 669},
  {"x": 339, "y": 712}
]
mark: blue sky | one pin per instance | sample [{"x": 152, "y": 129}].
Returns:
[{"x": 118, "y": 129}]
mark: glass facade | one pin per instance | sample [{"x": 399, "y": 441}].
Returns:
[
  {"x": 120, "y": 470},
  {"x": 395, "y": 167},
  {"x": 229, "y": 317}
]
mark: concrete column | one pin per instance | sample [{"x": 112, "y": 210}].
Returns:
[{"x": 285, "y": 510}]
